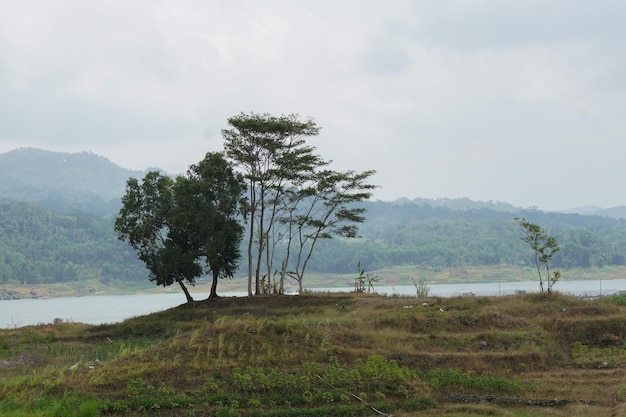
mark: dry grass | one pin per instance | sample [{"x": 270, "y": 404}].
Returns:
[{"x": 501, "y": 356}]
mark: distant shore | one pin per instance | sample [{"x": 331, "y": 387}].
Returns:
[{"x": 402, "y": 275}]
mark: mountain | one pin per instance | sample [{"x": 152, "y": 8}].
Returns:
[
  {"x": 618, "y": 212},
  {"x": 462, "y": 204},
  {"x": 63, "y": 182}
]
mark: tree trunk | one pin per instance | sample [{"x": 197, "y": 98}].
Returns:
[
  {"x": 186, "y": 291},
  {"x": 213, "y": 293},
  {"x": 250, "y": 241}
]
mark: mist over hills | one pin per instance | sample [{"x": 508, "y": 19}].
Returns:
[
  {"x": 63, "y": 182},
  {"x": 57, "y": 212},
  {"x": 88, "y": 182}
]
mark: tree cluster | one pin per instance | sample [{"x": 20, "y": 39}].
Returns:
[
  {"x": 273, "y": 179},
  {"x": 185, "y": 227},
  {"x": 294, "y": 198}
]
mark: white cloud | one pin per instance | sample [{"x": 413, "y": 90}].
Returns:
[{"x": 474, "y": 98}]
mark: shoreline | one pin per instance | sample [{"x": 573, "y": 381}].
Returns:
[{"x": 396, "y": 276}]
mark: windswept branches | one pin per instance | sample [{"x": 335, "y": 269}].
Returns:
[
  {"x": 324, "y": 209},
  {"x": 273, "y": 154},
  {"x": 294, "y": 200}
]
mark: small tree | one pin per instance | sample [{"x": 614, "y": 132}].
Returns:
[{"x": 544, "y": 247}]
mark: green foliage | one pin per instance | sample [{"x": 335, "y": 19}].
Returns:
[
  {"x": 41, "y": 246},
  {"x": 293, "y": 199},
  {"x": 446, "y": 379},
  {"x": 210, "y": 200},
  {"x": 619, "y": 299},
  {"x": 172, "y": 225},
  {"x": 332, "y": 381},
  {"x": 412, "y": 233},
  {"x": 544, "y": 247},
  {"x": 596, "y": 357}
]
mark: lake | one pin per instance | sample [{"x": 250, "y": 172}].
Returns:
[{"x": 115, "y": 308}]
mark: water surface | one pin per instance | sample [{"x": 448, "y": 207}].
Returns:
[{"x": 115, "y": 308}]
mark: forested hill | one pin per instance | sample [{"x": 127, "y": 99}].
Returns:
[
  {"x": 38, "y": 245},
  {"x": 63, "y": 182},
  {"x": 417, "y": 233},
  {"x": 73, "y": 238}
]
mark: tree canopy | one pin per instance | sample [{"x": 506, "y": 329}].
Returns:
[
  {"x": 183, "y": 228},
  {"x": 290, "y": 193}
]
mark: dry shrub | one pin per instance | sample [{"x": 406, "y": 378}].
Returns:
[{"x": 591, "y": 331}]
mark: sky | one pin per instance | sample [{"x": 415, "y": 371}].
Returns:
[{"x": 517, "y": 101}]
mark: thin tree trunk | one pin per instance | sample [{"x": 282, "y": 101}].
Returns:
[
  {"x": 213, "y": 293},
  {"x": 186, "y": 291},
  {"x": 253, "y": 203},
  {"x": 539, "y": 272},
  {"x": 250, "y": 241}
]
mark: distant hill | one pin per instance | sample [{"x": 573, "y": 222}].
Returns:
[
  {"x": 63, "y": 182},
  {"x": 461, "y": 204},
  {"x": 56, "y": 224},
  {"x": 618, "y": 212}
]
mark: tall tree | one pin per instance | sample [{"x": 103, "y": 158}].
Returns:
[
  {"x": 210, "y": 198},
  {"x": 323, "y": 209},
  {"x": 544, "y": 247},
  {"x": 273, "y": 154}
]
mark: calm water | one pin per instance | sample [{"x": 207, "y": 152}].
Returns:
[{"x": 115, "y": 308}]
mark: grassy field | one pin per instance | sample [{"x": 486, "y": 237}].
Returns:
[{"x": 328, "y": 354}]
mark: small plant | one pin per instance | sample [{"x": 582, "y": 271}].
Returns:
[
  {"x": 363, "y": 278},
  {"x": 359, "y": 281},
  {"x": 421, "y": 288}
]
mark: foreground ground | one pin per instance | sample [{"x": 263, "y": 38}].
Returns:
[{"x": 328, "y": 354}]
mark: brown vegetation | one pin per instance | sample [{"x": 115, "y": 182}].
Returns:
[{"x": 466, "y": 356}]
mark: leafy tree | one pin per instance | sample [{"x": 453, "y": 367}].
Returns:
[
  {"x": 544, "y": 247},
  {"x": 148, "y": 221},
  {"x": 274, "y": 156},
  {"x": 175, "y": 225},
  {"x": 210, "y": 200}
]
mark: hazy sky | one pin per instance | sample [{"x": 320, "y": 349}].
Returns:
[{"x": 516, "y": 101}]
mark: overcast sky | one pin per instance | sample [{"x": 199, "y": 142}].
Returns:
[{"x": 516, "y": 101}]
